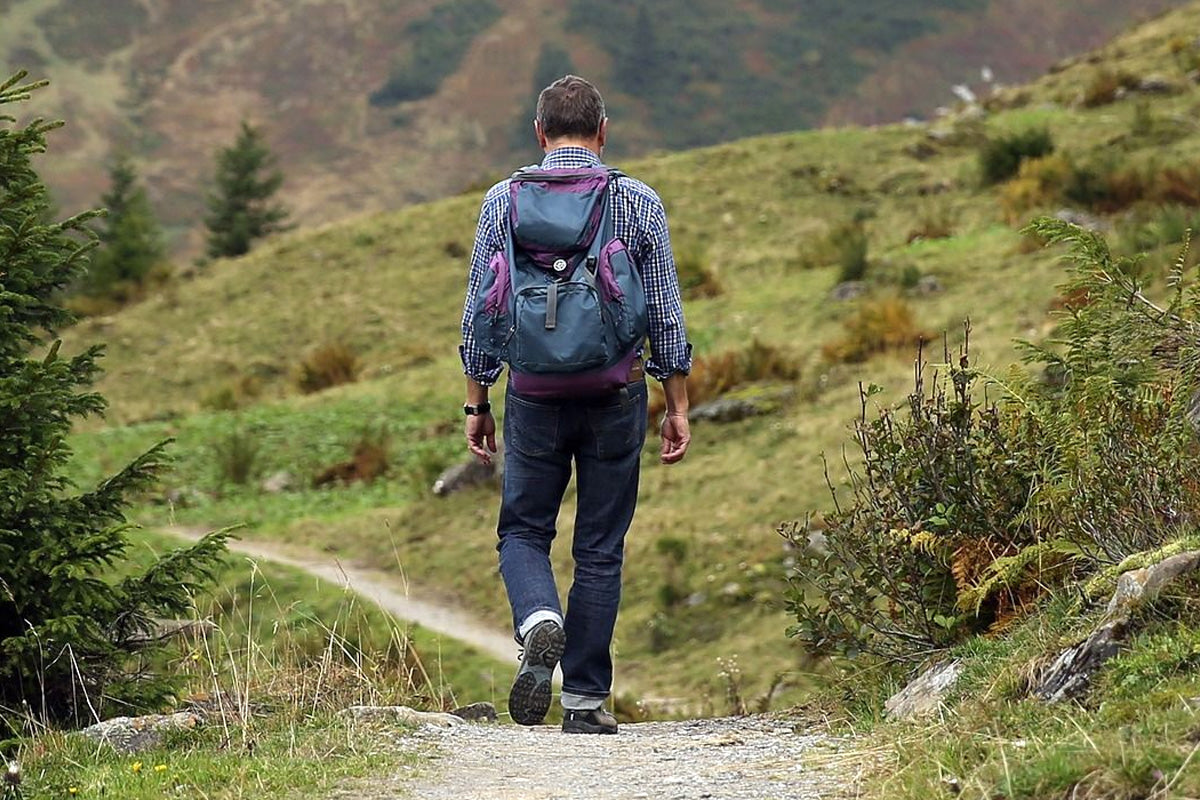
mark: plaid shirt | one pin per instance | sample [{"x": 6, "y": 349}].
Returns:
[{"x": 639, "y": 221}]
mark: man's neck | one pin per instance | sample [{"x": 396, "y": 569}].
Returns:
[{"x": 586, "y": 144}]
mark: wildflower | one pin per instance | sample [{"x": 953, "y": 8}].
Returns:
[
  {"x": 136, "y": 766},
  {"x": 12, "y": 776},
  {"x": 72, "y": 791},
  {"x": 160, "y": 767}
]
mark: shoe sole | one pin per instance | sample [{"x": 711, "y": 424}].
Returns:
[{"x": 529, "y": 698}]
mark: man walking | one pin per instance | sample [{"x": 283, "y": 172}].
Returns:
[{"x": 550, "y": 424}]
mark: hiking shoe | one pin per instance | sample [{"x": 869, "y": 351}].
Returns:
[
  {"x": 529, "y": 698},
  {"x": 595, "y": 721}
]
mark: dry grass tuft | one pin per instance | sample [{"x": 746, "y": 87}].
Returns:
[
  {"x": 329, "y": 365},
  {"x": 879, "y": 326}
]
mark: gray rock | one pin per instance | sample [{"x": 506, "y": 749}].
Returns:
[
  {"x": 1070, "y": 675},
  {"x": 1083, "y": 219},
  {"x": 402, "y": 715},
  {"x": 135, "y": 734},
  {"x": 726, "y": 409},
  {"x": 1158, "y": 84},
  {"x": 476, "y": 712},
  {"x": 928, "y": 285},
  {"x": 924, "y": 695},
  {"x": 467, "y": 474},
  {"x": 1141, "y": 586},
  {"x": 848, "y": 290},
  {"x": 1193, "y": 412},
  {"x": 159, "y": 630},
  {"x": 282, "y": 481}
]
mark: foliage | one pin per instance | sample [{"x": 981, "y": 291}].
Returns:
[
  {"x": 845, "y": 245},
  {"x": 130, "y": 239},
  {"x": 70, "y": 631},
  {"x": 331, "y": 364},
  {"x": 697, "y": 279},
  {"x": 1106, "y": 86},
  {"x": 964, "y": 513},
  {"x": 437, "y": 44},
  {"x": 877, "y": 326},
  {"x": 241, "y": 208},
  {"x": 715, "y": 375},
  {"x": 1000, "y": 157}
]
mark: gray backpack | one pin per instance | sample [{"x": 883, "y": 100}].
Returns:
[{"x": 562, "y": 304}]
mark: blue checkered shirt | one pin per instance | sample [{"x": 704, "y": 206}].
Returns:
[{"x": 639, "y": 221}]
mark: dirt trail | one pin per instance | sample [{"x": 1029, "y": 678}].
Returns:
[{"x": 386, "y": 590}]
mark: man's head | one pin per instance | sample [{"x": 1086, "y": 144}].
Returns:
[{"x": 571, "y": 111}]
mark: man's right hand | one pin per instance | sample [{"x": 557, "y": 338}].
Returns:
[
  {"x": 481, "y": 437},
  {"x": 676, "y": 436}
]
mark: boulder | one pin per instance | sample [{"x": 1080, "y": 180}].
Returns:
[
  {"x": 1082, "y": 219},
  {"x": 279, "y": 482},
  {"x": 135, "y": 734},
  {"x": 1069, "y": 676},
  {"x": 848, "y": 290},
  {"x": 467, "y": 474},
  {"x": 727, "y": 409},
  {"x": 402, "y": 715},
  {"x": 924, "y": 695},
  {"x": 1158, "y": 84},
  {"x": 1140, "y": 586},
  {"x": 476, "y": 712}
]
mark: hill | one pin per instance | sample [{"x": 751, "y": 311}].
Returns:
[
  {"x": 374, "y": 104},
  {"x": 759, "y": 225}
]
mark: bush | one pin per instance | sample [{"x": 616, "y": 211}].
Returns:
[
  {"x": 718, "y": 374},
  {"x": 1039, "y": 183},
  {"x": 1000, "y": 158},
  {"x": 73, "y": 615},
  {"x": 696, "y": 280},
  {"x": 934, "y": 221},
  {"x": 1106, "y": 86},
  {"x": 237, "y": 457},
  {"x": 878, "y": 326},
  {"x": 329, "y": 365},
  {"x": 964, "y": 513}
]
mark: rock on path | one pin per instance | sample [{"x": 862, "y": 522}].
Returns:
[{"x": 747, "y": 758}]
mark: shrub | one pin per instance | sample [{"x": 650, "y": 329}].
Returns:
[
  {"x": 878, "y": 326},
  {"x": 1106, "y": 184},
  {"x": 1039, "y": 183},
  {"x": 934, "y": 221},
  {"x": 718, "y": 374},
  {"x": 1106, "y": 86},
  {"x": 329, "y": 365},
  {"x": 845, "y": 245},
  {"x": 236, "y": 457},
  {"x": 369, "y": 460},
  {"x": 965, "y": 512},
  {"x": 73, "y": 615},
  {"x": 1000, "y": 158},
  {"x": 696, "y": 280}
]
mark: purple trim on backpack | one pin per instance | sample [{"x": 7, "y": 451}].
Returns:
[
  {"x": 604, "y": 272},
  {"x": 579, "y": 384},
  {"x": 497, "y": 296}
]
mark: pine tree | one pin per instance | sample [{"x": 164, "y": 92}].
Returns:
[
  {"x": 130, "y": 239},
  {"x": 241, "y": 208},
  {"x": 69, "y": 624}
]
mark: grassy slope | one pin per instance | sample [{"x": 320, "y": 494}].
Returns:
[
  {"x": 279, "y": 646},
  {"x": 389, "y": 286}
]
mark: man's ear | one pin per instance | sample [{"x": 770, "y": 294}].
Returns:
[
  {"x": 541, "y": 136},
  {"x": 603, "y": 135}
]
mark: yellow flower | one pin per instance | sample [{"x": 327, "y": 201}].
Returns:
[
  {"x": 72, "y": 790},
  {"x": 160, "y": 767},
  {"x": 136, "y": 766}
]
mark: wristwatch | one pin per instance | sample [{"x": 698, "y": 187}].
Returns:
[{"x": 478, "y": 409}]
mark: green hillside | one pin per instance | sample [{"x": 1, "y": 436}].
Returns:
[
  {"x": 212, "y": 361},
  {"x": 372, "y": 104}
]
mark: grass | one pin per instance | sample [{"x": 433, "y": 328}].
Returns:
[
  {"x": 289, "y": 653},
  {"x": 1136, "y": 736}
]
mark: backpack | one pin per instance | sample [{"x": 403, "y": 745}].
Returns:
[{"x": 562, "y": 303}]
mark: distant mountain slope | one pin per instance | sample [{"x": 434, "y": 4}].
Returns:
[{"x": 372, "y": 104}]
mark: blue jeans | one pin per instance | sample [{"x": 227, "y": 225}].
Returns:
[{"x": 541, "y": 438}]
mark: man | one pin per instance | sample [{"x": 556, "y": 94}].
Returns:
[{"x": 603, "y": 435}]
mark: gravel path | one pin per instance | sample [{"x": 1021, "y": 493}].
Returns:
[
  {"x": 388, "y": 591},
  {"x": 747, "y": 758}
]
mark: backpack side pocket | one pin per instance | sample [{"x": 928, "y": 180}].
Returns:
[
  {"x": 492, "y": 321},
  {"x": 621, "y": 286}
]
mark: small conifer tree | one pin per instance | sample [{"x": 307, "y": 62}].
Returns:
[
  {"x": 73, "y": 616},
  {"x": 130, "y": 238},
  {"x": 241, "y": 209}
]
